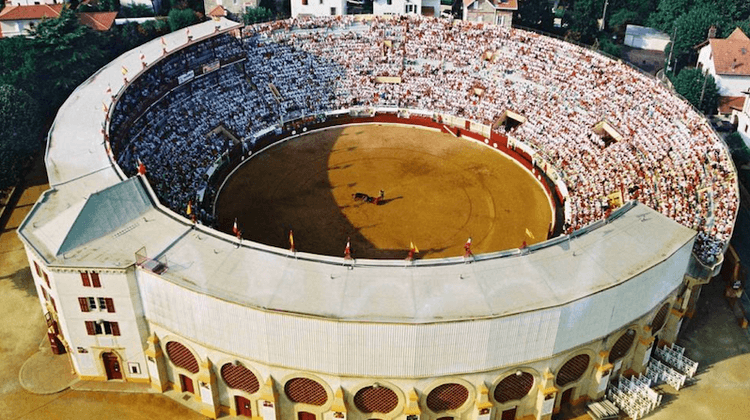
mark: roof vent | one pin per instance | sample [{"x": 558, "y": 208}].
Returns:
[
  {"x": 744, "y": 50},
  {"x": 735, "y": 64}
]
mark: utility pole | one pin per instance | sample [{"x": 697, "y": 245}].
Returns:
[
  {"x": 674, "y": 38},
  {"x": 703, "y": 91},
  {"x": 604, "y": 15}
]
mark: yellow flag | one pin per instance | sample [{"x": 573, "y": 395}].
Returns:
[
  {"x": 416, "y": 250},
  {"x": 529, "y": 234}
]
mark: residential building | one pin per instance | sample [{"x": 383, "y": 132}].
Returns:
[
  {"x": 728, "y": 61},
  {"x": 499, "y": 12},
  {"x": 19, "y": 20}
]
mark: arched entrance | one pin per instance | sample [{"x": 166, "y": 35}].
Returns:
[
  {"x": 111, "y": 365},
  {"x": 304, "y": 415}
]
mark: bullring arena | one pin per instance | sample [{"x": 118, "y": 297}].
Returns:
[{"x": 613, "y": 202}]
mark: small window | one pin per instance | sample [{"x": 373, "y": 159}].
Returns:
[
  {"x": 389, "y": 2},
  {"x": 37, "y": 269},
  {"x": 95, "y": 279},
  {"x": 109, "y": 304},
  {"x": 46, "y": 279},
  {"x": 333, "y": 11},
  {"x": 85, "y": 279},
  {"x": 91, "y": 327},
  {"x": 84, "y": 304},
  {"x": 52, "y": 301},
  {"x": 304, "y": 2},
  {"x": 321, "y": 1},
  {"x": 102, "y": 328}
]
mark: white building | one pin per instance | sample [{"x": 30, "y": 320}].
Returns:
[
  {"x": 499, "y": 12},
  {"x": 728, "y": 61},
  {"x": 402, "y": 7},
  {"x": 645, "y": 38},
  {"x": 318, "y": 7}
]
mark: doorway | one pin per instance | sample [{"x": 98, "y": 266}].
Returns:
[
  {"x": 111, "y": 366},
  {"x": 243, "y": 406},
  {"x": 509, "y": 414},
  {"x": 187, "y": 384},
  {"x": 565, "y": 398},
  {"x": 304, "y": 415}
]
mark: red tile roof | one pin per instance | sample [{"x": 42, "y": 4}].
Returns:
[
  {"x": 98, "y": 21},
  {"x": 731, "y": 56},
  {"x": 728, "y": 103},
  {"x": 218, "y": 11},
  {"x": 498, "y": 4},
  {"x": 31, "y": 12}
]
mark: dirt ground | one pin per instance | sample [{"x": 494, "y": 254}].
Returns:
[
  {"x": 22, "y": 329},
  {"x": 720, "y": 390},
  {"x": 439, "y": 191}
]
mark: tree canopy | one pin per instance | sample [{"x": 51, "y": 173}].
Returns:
[
  {"x": 19, "y": 132},
  {"x": 698, "y": 89},
  {"x": 180, "y": 18},
  {"x": 535, "y": 14}
]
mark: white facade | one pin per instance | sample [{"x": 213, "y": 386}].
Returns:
[
  {"x": 742, "y": 120},
  {"x": 318, "y": 7},
  {"x": 16, "y": 27},
  {"x": 32, "y": 2},
  {"x": 728, "y": 85},
  {"x": 402, "y": 7}
]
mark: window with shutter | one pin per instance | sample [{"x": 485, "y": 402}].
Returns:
[
  {"x": 98, "y": 328},
  {"x": 44, "y": 293},
  {"x": 95, "y": 279},
  {"x": 85, "y": 279},
  {"x": 84, "y": 303},
  {"x": 46, "y": 279},
  {"x": 102, "y": 304},
  {"x": 38, "y": 270},
  {"x": 115, "y": 328},
  {"x": 52, "y": 301},
  {"x": 110, "y": 304},
  {"x": 90, "y": 328}
]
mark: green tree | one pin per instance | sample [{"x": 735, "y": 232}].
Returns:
[
  {"x": 698, "y": 89},
  {"x": 19, "y": 132},
  {"x": 67, "y": 52},
  {"x": 667, "y": 13},
  {"x": 691, "y": 29},
  {"x": 181, "y": 18},
  {"x": 256, "y": 15},
  {"x": 534, "y": 14},
  {"x": 582, "y": 20}
]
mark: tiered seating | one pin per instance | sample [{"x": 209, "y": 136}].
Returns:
[{"x": 668, "y": 157}]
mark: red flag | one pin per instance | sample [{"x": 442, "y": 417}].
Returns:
[
  {"x": 235, "y": 228},
  {"x": 412, "y": 250},
  {"x": 143, "y": 57},
  {"x": 348, "y": 249},
  {"x": 124, "y": 70},
  {"x": 142, "y": 171},
  {"x": 291, "y": 241},
  {"x": 163, "y": 42},
  {"x": 467, "y": 248},
  {"x": 109, "y": 90}
]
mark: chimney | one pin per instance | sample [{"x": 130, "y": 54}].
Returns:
[
  {"x": 735, "y": 64},
  {"x": 712, "y": 32}
]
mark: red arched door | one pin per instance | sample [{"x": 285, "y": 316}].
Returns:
[
  {"x": 112, "y": 366},
  {"x": 243, "y": 406},
  {"x": 304, "y": 415}
]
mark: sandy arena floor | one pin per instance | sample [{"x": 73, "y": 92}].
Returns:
[{"x": 439, "y": 190}]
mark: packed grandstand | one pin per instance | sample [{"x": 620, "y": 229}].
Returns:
[{"x": 187, "y": 110}]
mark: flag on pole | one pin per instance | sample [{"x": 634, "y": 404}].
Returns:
[
  {"x": 143, "y": 57},
  {"x": 291, "y": 241},
  {"x": 163, "y": 42},
  {"x": 124, "y": 71},
  {"x": 142, "y": 171},
  {"x": 190, "y": 211},
  {"x": 348, "y": 249},
  {"x": 467, "y": 248},
  {"x": 529, "y": 234},
  {"x": 235, "y": 228},
  {"x": 105, "y": 108},
  {"x": 412, "y": 250},
  {"x": 109, "y": 90}
]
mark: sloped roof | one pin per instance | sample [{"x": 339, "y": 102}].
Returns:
[
  {"x": 731, "y": 56},
  {"x": 729, "y": 103},
  {"x": 497, "y": 4},
  {"x": 105, "y": 212},
  {"x": 31, "y": 12},
  {"x": 218, "y": 11},
  {"x": 98, "y": 21}
]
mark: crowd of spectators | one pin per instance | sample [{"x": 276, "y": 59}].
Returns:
[{"x": 665, "y": 155}]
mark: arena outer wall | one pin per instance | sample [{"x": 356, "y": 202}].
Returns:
[{"x": 243, "y": 326}]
